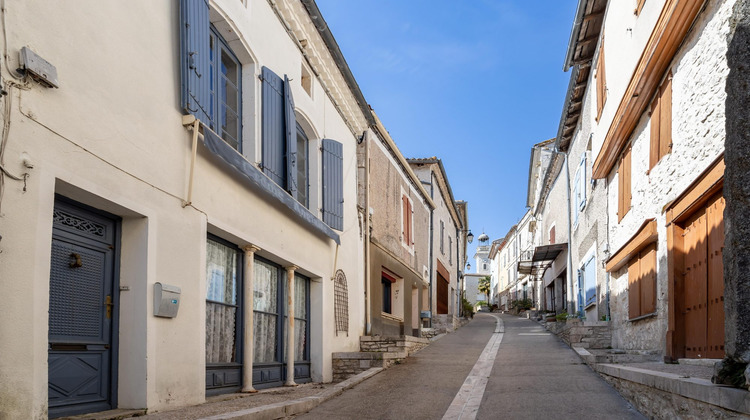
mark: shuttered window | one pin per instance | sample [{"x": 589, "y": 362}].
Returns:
[
  {"x": 589, "y": 281},
  {"x": 579, "y": 193},
  {"x": 601, "y": 82},
  {"x": 624, "y": 191},
  {"x": 661, "y": 122},
  {"x": 442, "y": 237},
  {"x": 642, "y": 282},
  {"x": 406, "y": 221},
  {"x": 279, "y": 131},
  {"x": 552, "y": 235},
  {"x": 211, "y": 74},
  {"x": 333, "y": 183}
]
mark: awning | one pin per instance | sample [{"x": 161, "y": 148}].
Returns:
[{"x": 541, "y": 259}]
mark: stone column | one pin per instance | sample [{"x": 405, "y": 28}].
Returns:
[
  {"x": 247, "y": 329},
  {"x": 734, "y": 369},
  {"x": 290, "y": 326}
]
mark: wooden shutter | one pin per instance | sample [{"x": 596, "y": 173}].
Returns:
[
  {"x": 195, "y": 56},
  {"x": 624, "y": 193},
  {"x": 634, "y": 291},
  {"x": 290, "y": 122},
  {"x": 639, "y": 6},
  {"x": 655, "y": 131},
  {"x": 601, "y": 82},
  {"x": 409, "y": 227},
  {"x": 442, "y": 237},
  {"x": 665, "y": 117},
  {"x": 333, "y": 183},
  {"x": 715, "y": 241},
  {"x": 647, "y": 274},
  {"x": 589, "y": 277},
  {"x": 273, "y": 130},
  {"x": 552, "y": 235}
]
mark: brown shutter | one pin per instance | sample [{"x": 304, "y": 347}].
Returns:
[
  {"x": 410, "y": 231},
  {"x": 624, "y": 193},
  {"x": 601, "y": 82},
  {"x": 655, "y": 131},
  {"x": 665, "y": 118},
  {"x": 648, "y": 279},
  {"x": 404, "y": 215},
  {"x": 639, "y": 6},
  {"x": 552, "y": 235},
  {"x": 634, "y": 293}
]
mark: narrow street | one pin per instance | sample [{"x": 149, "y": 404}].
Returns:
[{"x": 534, "y": 375}]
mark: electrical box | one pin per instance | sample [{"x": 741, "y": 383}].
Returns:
[
  {"x": 38, "y": 68},
  {"x": 425, "y": 314},
  {"x": 166, "y": 300}
]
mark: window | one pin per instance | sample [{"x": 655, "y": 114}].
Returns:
[
  {"x": 387, "y": 282},
  {"x": 601, "y": 82},
  {"x": 211, "y": 73},
  {"x": 624, "y": 191},
  {"x": 442, "y": 237},
  {"x": 306, "y": 80},
  {"x": 406, "y": 221},
  {"x": 579, "y": 185},
  {"x": 450, "y": 250},
  {"x": 642, "y": 282},
  {"x": 341, "y": 303},
  {"x": 661, "y": 122},
  {"x": 224, "y": 76},
  {"x": 552, "y": 234},
  {"x": 302, "y": 168},
  {"x": 223, "y": 314}
]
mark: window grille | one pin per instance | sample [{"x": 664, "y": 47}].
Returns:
[{"x": 341, "y": 302}]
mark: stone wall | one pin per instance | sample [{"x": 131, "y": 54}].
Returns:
[
  {"x": 346, "y": 365},
  {"x": 396, "y": 344},
  {"x": 589, "y": 335},
  {"x": 655, "y": 403}
]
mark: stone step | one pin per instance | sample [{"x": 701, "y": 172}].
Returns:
[{"x": 348, "y": 364}]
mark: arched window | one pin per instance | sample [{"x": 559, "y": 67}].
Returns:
[
  {"x": 341, "y": 302},
  {"x": 303, "y": 164}
]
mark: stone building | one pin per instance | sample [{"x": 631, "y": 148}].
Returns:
[{"x": 447, "y": 229}]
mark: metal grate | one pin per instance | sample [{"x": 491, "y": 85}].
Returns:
[
  {"x": 341, "y": 302},
  {"x": 78, "y": 223},
  {"x": 76, "y": 294}
]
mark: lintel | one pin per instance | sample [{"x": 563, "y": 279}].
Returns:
[{"x": 645, "y": 235}]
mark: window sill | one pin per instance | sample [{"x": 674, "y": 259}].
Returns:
[
  {"x": 259, "y": 180},
  {"x": 638, "y": 318}
]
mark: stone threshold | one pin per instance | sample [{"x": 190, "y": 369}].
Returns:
[
  {"x": 698, "y": 389},
  {"x": 116, "y": 414}
]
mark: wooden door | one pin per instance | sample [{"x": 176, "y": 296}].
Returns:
[
  {"x": 704, "y": 281},
  {"x": 82, "y": 311}
]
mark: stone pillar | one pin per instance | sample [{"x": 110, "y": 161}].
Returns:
[
  {"x": 290, "y": 345},
  {"x": 734, "y": 369},
  {"x": 247, "y": 329}
]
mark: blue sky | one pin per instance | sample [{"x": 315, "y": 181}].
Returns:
[{"x": 475, "y": 83}]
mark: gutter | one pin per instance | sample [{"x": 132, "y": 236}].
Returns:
[{"x": 338, "y": 57}]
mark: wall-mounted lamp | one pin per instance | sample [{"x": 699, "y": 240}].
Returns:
[
  {"x": 468, "y": 266},
  {"x": 470, "y": 237}
]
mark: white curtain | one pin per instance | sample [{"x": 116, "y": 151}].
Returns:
[
  {"x": 221, "y": 296},
  {"x": 265, "y": 305}
]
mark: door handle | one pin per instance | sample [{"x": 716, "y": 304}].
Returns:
[
  {"x": 109, "y": 304},
  {"x": 76, "y": 260}
]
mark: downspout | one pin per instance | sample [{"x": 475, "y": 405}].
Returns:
[
  {"x": 569, "y": 271},
  {"x": 432, "y": 244},
  {"x": 458, "y": 280},
  {"x": 368, "y": 224}
]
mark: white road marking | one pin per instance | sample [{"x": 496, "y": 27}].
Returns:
[
  {"x": 466, "y": 403},
  {"x": 533, "y": 333}
]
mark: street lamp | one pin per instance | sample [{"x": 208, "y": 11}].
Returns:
[
  {"x": 470, "y": 237},
  {"x": 468, "y": 266}
]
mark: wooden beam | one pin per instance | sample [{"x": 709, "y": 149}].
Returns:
[
  {"x": 709, "y": 182},
  {"x": 645, "y": 235},
  {"x": 671, "y": 28}
]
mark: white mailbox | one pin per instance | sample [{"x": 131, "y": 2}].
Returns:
[{"x": 166, "y": 300}]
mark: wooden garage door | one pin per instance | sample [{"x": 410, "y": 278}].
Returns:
[{"x": 704, "y": 281}]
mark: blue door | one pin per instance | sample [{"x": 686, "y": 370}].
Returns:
[{"x": 82, "y": 310}]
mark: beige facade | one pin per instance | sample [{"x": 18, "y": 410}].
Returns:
[{"x": 111, "y": 138}]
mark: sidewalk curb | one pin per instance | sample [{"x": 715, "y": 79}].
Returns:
[{"x": 298, "y": 406}]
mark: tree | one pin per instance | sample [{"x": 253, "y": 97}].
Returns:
[{"x": 485, "y": 287}]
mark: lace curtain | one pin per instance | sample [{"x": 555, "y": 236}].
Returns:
[
  {"x": 221, "y": 301},
  {"x": 265, "y": 306}
]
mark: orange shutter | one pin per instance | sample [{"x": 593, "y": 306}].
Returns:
[
  {"x": 655, "y": 131},
  {"x": 405, "y": 219},
  {"x": 665, "y": 118},
  {"x": 639, "y": 6},
  {"x": 410, "y": 230},
  {"x": 552, "y": 235},
  {"x": 601, "y": 82},
  {"x": 634, "y": 292},
  {"x": 624, "y": 193},
  {"x": 648, "y": 279}
]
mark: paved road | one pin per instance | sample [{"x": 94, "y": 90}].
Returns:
[{"x": 534, "y": 376}]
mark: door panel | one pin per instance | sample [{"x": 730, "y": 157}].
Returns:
[
  {"x": 82, "y": 308},
  {"x": 715, "y": 221},
  {"x": 695, "y": 286}
]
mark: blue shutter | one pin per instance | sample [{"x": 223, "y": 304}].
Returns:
[
  {"x": 333, "y": 184},
  {"x": 589, "y": 277},
  {"x": 580, "y": 291},
  {"x": 273, "y": 127},
  {"x": 291, "y": 140},
  {"x": 194, "y": 57}
]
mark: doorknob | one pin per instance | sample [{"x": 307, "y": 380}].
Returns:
[{"x": 108, "y": 303}]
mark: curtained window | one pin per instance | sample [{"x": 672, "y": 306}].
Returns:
[{"x": 222, "y": 264}]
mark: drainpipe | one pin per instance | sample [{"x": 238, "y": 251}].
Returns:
[
  {"x": 368, "y": 221},
  {"x": 432, "y": 230},
  {"x": 457, "y": 312}
]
